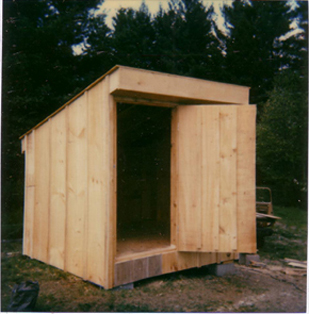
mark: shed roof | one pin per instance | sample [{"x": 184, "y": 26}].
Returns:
[{"x": 128, "y": 83}]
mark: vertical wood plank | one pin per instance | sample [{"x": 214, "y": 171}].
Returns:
[
  {"x": 66, "y": 114},
  {"x": 187, "y": 260},
  {"x": 246, "y": 222},
  {"x": 97, "y": 183},
  {"x": 29, "y": 195},
  {"x": 190, "y": 160},
  {"x": 228, "y": 187},
  {"x": 111, "y": 235},
  {"x": 207, "y": 259},
  {"x": 211, "y": 183},
  {"x": 86, "y": 209},
  {"x": 174, "y": 177},
  {"x": 77, "y": 185},
  {"x": 169, "y": 262},
  {"x": 123, "y": 273},
  {"x": 41, "y": 211},
  {"x": 58, "y": 190}
]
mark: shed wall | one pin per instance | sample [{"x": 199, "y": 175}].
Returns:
[
  {"x": 216, "y": 182},
  {"x": 68, "y": 187}
]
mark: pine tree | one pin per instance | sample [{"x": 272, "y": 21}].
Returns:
[
  {"x": 186, "y": 40},
  {"x": 294, "y": 47},
  {"x": 282, "y": 142},
  {"x": 252, "y": 44},
  {"x": 39, "y": 74},
  {"x": 133, "y": 37}
]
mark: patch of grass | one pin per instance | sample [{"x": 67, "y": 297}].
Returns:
[
  {"x": 248, "y": 309},
  {"x": 290, "y": 236},
  {"x": 292, "y": 217},
  {"x": 193, "y": 290},
  {"x": 126, "y": 307}
]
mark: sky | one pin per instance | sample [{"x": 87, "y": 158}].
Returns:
[{"x": 112, "y": 6}]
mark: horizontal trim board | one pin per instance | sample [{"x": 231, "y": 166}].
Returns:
[{"x": 174, "y": 88}]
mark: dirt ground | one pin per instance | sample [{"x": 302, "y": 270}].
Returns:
[{"x": 271, "y": 288}]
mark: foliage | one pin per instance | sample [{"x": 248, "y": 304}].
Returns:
[
  {"x": 282, "y": 140},
  {"x": 254, "y": 29},
  {"x": 290, "y": 235},
  {"x": 187, "y": 40},
  {"x": 133, "y": 37},
  {"x": 294, "y": 47},
  {"x": 41, "y": 71}
]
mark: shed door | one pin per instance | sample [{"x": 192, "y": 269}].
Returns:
[{"x": 216, "y": 178}]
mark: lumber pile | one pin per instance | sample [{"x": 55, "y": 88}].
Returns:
[
  {"x": 299, "y": 267},
  {"x": 296, "y": 263}
]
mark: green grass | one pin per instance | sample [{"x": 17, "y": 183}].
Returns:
[
  {"x": 190, "y": 290},
  {"x": 290, "y": 236},
  {"x": 292, "y": 217}
]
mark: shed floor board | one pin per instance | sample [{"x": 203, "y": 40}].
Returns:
[{"x": 140, "y": 240}]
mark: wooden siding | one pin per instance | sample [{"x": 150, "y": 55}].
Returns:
[
  {"x": 42, "y": 185},
  {"x": 216, "y": 184},
  {"x": 70, "y": 183},
  {"x": 58, "y": 190},
  {"x": 29, "y": 194},
  {"x": 246, "y": 217},
  {"x": 68, "y": 188},
  {"x": 164, "y": 263},
  {"x": 76, "y": 186}
]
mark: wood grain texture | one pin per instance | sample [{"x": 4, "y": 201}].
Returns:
[
  {"x": 42, "y": 193},
  {"x": 76, "y": 185},
  {"x": 174, "y": 177},
  {"x": 111, "y": 179},
  {"x": 137, "y": 269},
  {"x": 112, "y": 231},
  {"x": 132, "y": 82},
  {"x": 207, "y": 259},
  {"x": 57, "y": 218},
  {"x": 123, "y": 273},
  {"x": 246, "y": 213},
  {"x": 228, "y": 187},
  {"x": 97, "y": 184},
  {"x": 210, "y": 146},
  {"x": 29, "y": 202},
  {"x": 216, "y": 160},
  {"x": 190, "y": 179},
  {"x": 169, "y": 262}
]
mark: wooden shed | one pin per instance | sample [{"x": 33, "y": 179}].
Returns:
[{"x": 142, "y": 174}]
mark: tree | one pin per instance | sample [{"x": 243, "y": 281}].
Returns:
[
  {"x": 187, "y": 40},
  {"x": 294, "y": 47},
  {"x": 39, "y": 74},
  {"x": 252, "y": 44},
  {"x": 133, "y": 37},
  {"x": 282, "y": 141},
  {"x": 97, "y": 55}
]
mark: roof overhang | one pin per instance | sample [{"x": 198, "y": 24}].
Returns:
[{"x": 129, "y": 84}]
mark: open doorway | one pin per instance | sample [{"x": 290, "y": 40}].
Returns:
[{"x": 143, "y": 178}]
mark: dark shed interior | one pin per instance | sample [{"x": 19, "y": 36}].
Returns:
[{"x": 143, "y": 178}]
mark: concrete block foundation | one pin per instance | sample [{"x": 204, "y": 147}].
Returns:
[
  {"x": 245, "y": 259},
  {"x": 221, "y": 269}
]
